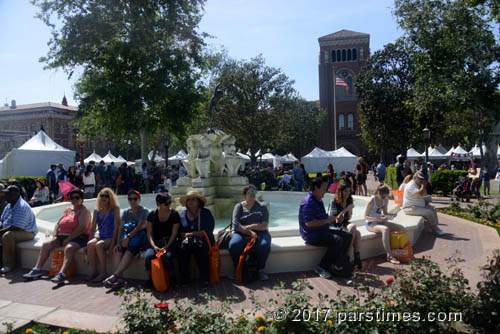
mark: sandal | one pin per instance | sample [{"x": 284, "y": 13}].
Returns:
[
  {"x": 118, "y": 283},
  {"x": 110, "y": 281},
  {"x": 393, "y": 260}
]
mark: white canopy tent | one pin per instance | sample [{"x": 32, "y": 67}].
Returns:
[
  {"x": 411, "y": 154},
  {"x": 476, "y": 151},
  {"x": 120, "y": 160},
  {"x": 459, "y": 154},
  {"x": 109, "y": 158},
  {"x": 450, "y": 151},
  {"x": 435, "y": 154},
  {"x": 288, "y": 158},
  {"x": 442, "y": 149},
  {"x": 498, "y": 152},
  {"x": 93, "y": 157},
  {"x": 244, "y": 158},
  {"x": 176, "y": 159},
  {"x": 317, "y": 160},
  {"x": 35, "y": 156}
]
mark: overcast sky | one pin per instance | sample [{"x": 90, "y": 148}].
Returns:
[{"x": 285, "y": 32}]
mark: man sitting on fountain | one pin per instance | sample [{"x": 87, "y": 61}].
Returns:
[
  {"x": 314, "y": 228},
  {"x": 17, "y": 223}
]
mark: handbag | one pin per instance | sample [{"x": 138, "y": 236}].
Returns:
[
  {"x": 400, "y": 246},
  {"x": 57, "y": 262},
  {"x": 224, "y": 236},
  {"x": 213, "y": 260},
  {"x": 245, "y": 271},
  {"x": 137, "y": 240},
  {"x": 160, "y": 278}
]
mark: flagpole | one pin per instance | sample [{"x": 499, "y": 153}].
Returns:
[{"x": 335, "y": 109}]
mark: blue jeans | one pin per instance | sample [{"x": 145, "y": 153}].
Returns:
[
  {"x": 298, "y": 185},
  {"x": 166, "y": 258},
  {"x": 262, "y": 247}
]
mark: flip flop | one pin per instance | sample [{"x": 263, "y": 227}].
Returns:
[
  {"x": 110, "y": 281},
  {"x": 393, "y": 260}
]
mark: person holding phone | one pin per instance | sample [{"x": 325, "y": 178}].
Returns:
[{"x": 341, "y": 207}]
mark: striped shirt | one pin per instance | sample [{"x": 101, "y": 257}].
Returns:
[{"x": 21, "y": 216}]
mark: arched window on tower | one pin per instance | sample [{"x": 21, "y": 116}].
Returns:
[
  {"x": 334, "y": 56},
  {"x": 341, "y": 122},
  {"x": 350, "y": 122},
  {"x": 344, "y": 55},
  {"x": 338, "y": 55},
  {"x": 354, "y": 54},
  {"x": 349, "y": 55}
]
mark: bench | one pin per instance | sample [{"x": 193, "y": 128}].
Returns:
[{"x": 289, "y": 253}]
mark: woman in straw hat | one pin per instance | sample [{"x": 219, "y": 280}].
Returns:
[{"x": 194, "y": 220}]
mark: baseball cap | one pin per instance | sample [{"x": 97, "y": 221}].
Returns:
[
  {"x": 12, "y": 190},
  {"x": 420, "y": 175}
]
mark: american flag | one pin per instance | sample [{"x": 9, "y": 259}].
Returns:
[{"x": 340, "y": 82}]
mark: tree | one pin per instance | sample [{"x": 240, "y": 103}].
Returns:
[
  {"x": 139, "y": 60},
  {"x": 456, "y": 65},
  {"x": 385, "y": 88},
  {"x": 255, "y": 98}
]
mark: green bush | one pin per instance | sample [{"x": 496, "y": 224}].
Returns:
[
  {"x": 444, "y": 181},
  {"x": 390, "y": 177},
  {"x": 28, "y": 182}
]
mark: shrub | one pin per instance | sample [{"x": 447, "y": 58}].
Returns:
[
  {"x": 444, "y": 181},
  {"x": 28, "y": 182},
  {"x": 390, "y": 177}
]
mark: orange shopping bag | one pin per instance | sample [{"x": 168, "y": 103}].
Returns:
[
  {"x": 239, "y": 268},
  {"x": 213, "y": 260},
  {"x": 161, "y": 281},
  {"x": 403, "y": 255},
  {"x": 57, "y": 262},
  {"x": 398, "y": 197}
]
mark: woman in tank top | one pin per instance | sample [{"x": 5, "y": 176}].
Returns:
[
  {"x": 105, "y": 222},
  {"x": 376, "y": 219}
]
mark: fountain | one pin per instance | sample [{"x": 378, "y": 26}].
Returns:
[{"x": 212, "y": 166}]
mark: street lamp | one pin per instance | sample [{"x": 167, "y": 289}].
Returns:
[
  {"x": 80, "y": 140},
  {"x": 167, "y": 145},
  {"x": 427, "y": 137},
  {"x": 481, "y": 131},
  {"x": 128, "y": 142}
]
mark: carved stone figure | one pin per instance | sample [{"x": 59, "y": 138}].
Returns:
[
  {"x": 190, "y": 163},
  {"x": 203, "y": 160}
]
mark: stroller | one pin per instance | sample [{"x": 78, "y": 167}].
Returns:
[{"x": 463, "y": 189}]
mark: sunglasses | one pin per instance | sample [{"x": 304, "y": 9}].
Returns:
[
  {"x": 104, "y": 195},
  {"x": 133, "y": 199},
  {"x": 252, "y": 191},
  {"x": 75, "y": 198}
]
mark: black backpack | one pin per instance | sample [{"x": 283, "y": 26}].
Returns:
[
  {"x": 347, "y": 267},
  {"x": 250, "y": 271}
]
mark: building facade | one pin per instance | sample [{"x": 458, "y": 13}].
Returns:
[
  {"x": 344, "y": 53},
  {"x": 20, "y": 122}
]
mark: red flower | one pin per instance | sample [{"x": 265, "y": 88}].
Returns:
[
  {"x": 161, "y": 306},
  {"x": 389, "y": 281},
  {"x": 254, "y": 329},
  {"x": 172, "y": 326}
]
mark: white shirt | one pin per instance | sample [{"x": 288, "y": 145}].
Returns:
[{"x": 410, "y": 197}]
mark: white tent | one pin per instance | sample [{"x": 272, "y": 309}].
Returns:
[
  {"x": 35, "y": 156},
  {"x": 411, "y": 154},
  {"x": 157, "y": 157},
  {"x": 176, "y": 159},
  {"x": 442, "y": 149},
  {"x": 498, "y": 152},
  {"x": 120, "y": 160},
  {"x": 288, "y": 158},
  {"x": 435, "y": 154},
  {"x": 109, "y": 158},
  {"x": 476, "y": 151},
  {"x": 93, "y": 157},
  {"x": 449, "y": 153},
  {"x": 244, "y": 158},
  {"x": 317, "y": 160}
]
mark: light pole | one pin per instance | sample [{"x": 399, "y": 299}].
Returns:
[
  {"x": 481, "y": 131},
  {"x": 167, "y": 145},
  {"x": 427, "y": 137},
  {"x": 128, "y": 142}
]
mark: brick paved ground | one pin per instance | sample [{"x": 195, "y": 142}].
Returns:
[{"x": 474, "y": 243}]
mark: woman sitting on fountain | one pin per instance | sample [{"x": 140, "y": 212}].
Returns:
[
  {"x": 341, "y": 207},
  {"x": 194, "y": 220},
  {"x": 106, "y": 220},
  {"x": 162, "y": 233},
  {"x": 70, "y": 232},
  {"x": 376, "y": 218},
  {"x": 132, "y": 232},
  {"x": 250, "y": 218}
]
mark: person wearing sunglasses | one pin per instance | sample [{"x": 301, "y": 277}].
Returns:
[
  {"x": 71, "y": 232},
  {"x": 251, "y": 218},
  {"x": 132, "y": 232},
  {"x": 105, "y": 222},
  {"x": 162, "y": 233}
]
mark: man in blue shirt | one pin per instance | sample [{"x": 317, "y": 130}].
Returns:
[
  {"x": 52, "y": 181},
  {"x": 17, "y": 223},
  {"x": 100, "y": 172},
  {"x": 314, "y": 225},
  {"x": 298, "y": 175},
  {"x": 381, "y": 172}
]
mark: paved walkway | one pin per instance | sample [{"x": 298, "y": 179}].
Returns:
[{"x": 83, "y": 305}]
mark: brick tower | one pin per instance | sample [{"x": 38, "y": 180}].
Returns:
[{"x": 344, "y": 52}]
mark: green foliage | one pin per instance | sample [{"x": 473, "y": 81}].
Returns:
[
  {"x": 385, "y": 87},
  {"x": 140, "y": 64},
  {"x": 390, "y": 177},
  {"x": 485, "y": 314},
  {"x": 444, "y": 181},
  {"x": 45, "y": 329}
]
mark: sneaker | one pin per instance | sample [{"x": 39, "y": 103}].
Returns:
[
  {"x": 263, "y": 276},
  {"x": 440, "y": 232},
  {"x": 322, "y": 272},
  {"x": 34, "y": 273},
  {"x": 6, "y": 269},
  {"x": 58, "y": 279}
]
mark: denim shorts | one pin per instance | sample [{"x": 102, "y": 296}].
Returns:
[{"x": 371, "y": 224}]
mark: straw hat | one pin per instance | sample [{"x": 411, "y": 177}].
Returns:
[{"x": 193, "y": 194}]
